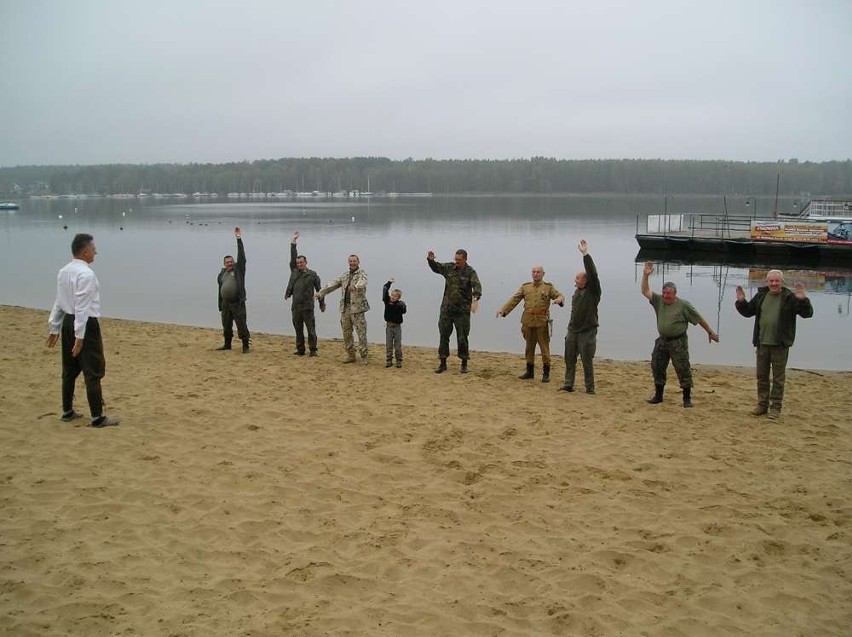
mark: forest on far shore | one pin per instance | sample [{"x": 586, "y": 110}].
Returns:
[{"x": 538, "y": 175}]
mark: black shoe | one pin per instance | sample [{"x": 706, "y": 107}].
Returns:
[
  {"x": 590, "y": 391},
  {"x": 530, "y": 373},
  {"x": 223, "y": 347},
  {"x": 389, "y": 364},
  {"x": 105, "y": 421},
  {"x": 313, "y": 352},
  {"x": 398, "y": 364},
  {"x": 70, "y": 416},
  {"x": 442, "y": 366},
  {"x": 655, "y": 400},
  {"x": 568, "y": 388},
  {"x": 298, "y": 353},
  {"x": 463, "y": 369}
]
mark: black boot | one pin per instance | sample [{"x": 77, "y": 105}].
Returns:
[
  {"x": 246, "y": 346},
  {"x": 530, "y": 373},
  {"x": 687, "y": 396},
  {"x": 227, "y": 345},
  {"x": 463, "y": 369},
  {"x": 658, "y": 395},
  {"x": 442, "y": 366},
  {"x": 545, "y": 374}
]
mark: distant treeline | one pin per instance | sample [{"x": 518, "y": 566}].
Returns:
[{"x": 537, "y": 175}]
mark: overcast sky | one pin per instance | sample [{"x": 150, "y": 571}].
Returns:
[{"x": 145, "y": 81}]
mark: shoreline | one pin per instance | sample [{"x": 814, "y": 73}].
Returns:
[
  {"x": 275, "y": 494},
  {"x": 379, "y": 347}
]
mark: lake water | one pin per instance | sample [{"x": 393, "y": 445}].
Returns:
[{"x": 158, "y": 262}]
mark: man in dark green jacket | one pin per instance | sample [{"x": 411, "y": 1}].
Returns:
[
  {"x": 302, "y": 286},
  {"x": 775, "y": 309},
  {"x": 232, "y": 296},
  {"x": 582, "y": 337}
]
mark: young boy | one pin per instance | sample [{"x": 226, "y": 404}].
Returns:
[{"x": 394, "y": 309}]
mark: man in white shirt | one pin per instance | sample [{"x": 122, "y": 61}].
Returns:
[{"x": 75, "y": 317}]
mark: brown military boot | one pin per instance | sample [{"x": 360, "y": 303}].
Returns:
[
  {"x": 530, "y": 373},
  {"x": 760, "y": 410}
]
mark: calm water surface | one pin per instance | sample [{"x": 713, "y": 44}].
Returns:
[{"x": 158, "y": 262}]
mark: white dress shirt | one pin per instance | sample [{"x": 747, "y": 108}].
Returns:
[{"x": 77, "y": 293}]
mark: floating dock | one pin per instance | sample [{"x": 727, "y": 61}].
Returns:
[{"x": 743, "y": 239}]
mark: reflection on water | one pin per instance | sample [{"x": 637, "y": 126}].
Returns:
[{"x": 159, "y": 263}]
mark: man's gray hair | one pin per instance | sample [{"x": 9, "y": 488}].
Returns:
[
  {"x": 778, "y": 272},
  {"x": 670, "y": 286}
]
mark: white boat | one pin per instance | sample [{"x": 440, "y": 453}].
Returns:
[
  {"x": 827, "y": 210},
  {"x": 8, "y": 205}
]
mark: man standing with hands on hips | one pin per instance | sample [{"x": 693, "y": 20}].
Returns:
[
  {"x": 75, "y": 315},
  {"x": 774, "y": 309}
]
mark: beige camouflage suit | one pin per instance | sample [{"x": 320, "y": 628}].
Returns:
[{"x": 353, "y": 308}]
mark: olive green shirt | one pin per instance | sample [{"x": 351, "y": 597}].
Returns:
[{"x": 674, "y": 319}]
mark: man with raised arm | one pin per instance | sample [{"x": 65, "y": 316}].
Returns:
[
  {"x": 232, "y": 296},
  {"x": 303, "y": 284},
  {"x": 673, "y": 318},
  {"x": 582, "y": 337}
]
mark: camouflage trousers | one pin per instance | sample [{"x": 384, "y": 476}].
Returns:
[
  {"x": 358, "y": 322},
  {"x": 446, "y": 323},
  {"x": 677, "y": 350},
  {"x": 536, "y": 336},
  {"x": 582, "y": 344},
  {"x": 774, "y": 358}
]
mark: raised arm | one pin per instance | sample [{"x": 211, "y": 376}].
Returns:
[
  {"x": 293, "y": 250},
  {"x": 646, "y": 272},
  {"x": 241, "y": 251}
]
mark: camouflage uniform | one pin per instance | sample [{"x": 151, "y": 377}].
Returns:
[
  {"x": 673, "y": 343},
  {"x": 535, "y": 321},
  {"x": 353, "y": 308},
  {"x": 461, "y": 287}
]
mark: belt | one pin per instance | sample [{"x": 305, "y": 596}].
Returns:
[
  {"x": 669, "y": 339},
  {"x": 392, "y": 324}
]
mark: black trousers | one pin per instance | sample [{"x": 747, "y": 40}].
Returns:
[
  {"x": 234, "y": 313},
  {"x": 304, "y": 319},
  {"x": 90, "y": 361}
]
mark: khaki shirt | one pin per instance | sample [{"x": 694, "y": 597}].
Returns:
[{"x": 537, "y": 298}]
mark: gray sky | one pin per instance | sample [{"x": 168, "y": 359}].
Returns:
[{"x": 145, "y": 81}]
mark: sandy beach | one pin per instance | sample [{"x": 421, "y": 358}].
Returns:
[{"x": 270, "y": 494}]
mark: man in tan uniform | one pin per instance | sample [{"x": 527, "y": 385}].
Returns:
[{"x": 537, "y": 295}]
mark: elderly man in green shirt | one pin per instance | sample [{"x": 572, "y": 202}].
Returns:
[{"x": 673, "y": 318}]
